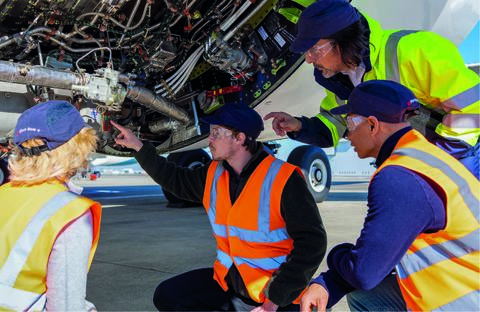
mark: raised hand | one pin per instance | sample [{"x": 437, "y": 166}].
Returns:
[
  {"x": 283, "y": 123},
  {"x": 126, "y": 138}
]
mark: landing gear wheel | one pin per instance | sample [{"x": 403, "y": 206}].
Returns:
[
  {"x": 315, "y": 167},
  {"x": 190, "y": 159},
  {"x": 4, "y": 173}
]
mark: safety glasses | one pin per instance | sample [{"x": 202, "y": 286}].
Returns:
[
  {"x": 319, "y": 51},
  {"x": 354, "y": 121},
  {"x": 217, "y": 132}
]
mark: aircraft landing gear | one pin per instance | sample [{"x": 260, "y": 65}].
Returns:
[{"x": 315, "y": 167}]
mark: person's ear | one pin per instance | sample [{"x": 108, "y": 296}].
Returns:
[
  {"x": 240, "y": 137},
  {"x": 374, "y": 124}
]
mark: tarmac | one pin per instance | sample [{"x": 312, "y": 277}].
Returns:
[{"x": 143, "y": 242}]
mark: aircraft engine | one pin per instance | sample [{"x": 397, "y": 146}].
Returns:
[{"x": 156, "y": 67}]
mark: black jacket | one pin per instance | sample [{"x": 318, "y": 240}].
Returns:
[{"x": 298, "y": 208}]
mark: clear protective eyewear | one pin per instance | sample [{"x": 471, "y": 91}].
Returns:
[
  {"x": 319, "y": 51},
  {"x": 354, "y": 121},
  {"x": 217, "y": 132}
]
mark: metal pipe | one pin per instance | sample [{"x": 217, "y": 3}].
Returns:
[
  {"x": 67, "y": 47},
  {"x": 93, "y": 50},
  {"x": 38, "y": 75},
  {"x": 149, "y": 99},
  {"x": 195, "y": 115},
  {"x": 130, "y": 19},
  {"x": 238, "y": 26},
  {"x": 163, "y": 125},
  {"x": 226, "y": 24},
  {"x": 80, "y": 31},
  {"x": 114, "y": 20},
  {"x": 33, "y": 23},
  {"x": 6, "y": 41},
  {"x": 40, "y": 55},
  {"x": 46, "y": 77},
  {"x": 181, "y": 13},
  {"x": 125, "y": 78}
]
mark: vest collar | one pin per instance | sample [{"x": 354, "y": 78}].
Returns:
[
  {"x": 252, "y": 164},
  {"x": 389, "y": 144}
]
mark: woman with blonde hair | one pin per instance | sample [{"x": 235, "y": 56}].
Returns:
[{"x": 48, "y": 233}]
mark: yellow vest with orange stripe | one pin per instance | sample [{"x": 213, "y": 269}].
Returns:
[
  {"x": 251, "y": 233},
  {"x": 441, "y": 271},
  {"x": 31, "y": 218}
]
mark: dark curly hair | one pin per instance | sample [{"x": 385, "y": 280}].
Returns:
[{"x": 352, "y": 42}]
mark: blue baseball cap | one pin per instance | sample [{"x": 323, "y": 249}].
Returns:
[
  {"x": 321, "y": 19},
  {"x": 238, "y": 116},
  {"x": 54, "y": 122},
  {"x": 387, "y": 100}
]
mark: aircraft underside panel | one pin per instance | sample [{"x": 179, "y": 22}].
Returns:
[{"x": 158, "y": 67}]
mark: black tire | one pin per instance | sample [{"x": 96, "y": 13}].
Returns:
[
  {"x": 315, "y": 167},
  {"x": 4, "y": 173},
  {"x": 190, "y": 159}
]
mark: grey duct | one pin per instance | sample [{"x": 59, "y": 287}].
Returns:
[
  {"x": 46, "y": 77},
  {"x": 157, "y": 103},
  {"x": 40, "y": 76},
  {"x": 163, "y": 125}
]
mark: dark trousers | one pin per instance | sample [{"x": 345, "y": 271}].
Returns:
[
  {"x": 196, "y": 290},
  {"x": 386, "y": 296}
]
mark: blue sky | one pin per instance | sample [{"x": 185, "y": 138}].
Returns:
[{"x": 470, "y": 47}]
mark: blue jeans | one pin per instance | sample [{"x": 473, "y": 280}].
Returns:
[{"x": 386, "y": 296}]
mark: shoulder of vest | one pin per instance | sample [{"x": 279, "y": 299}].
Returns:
[
  {"x": 288, "y": 166},
  {"x": 214, "y": 163},
  {"x": 414, "y": 145}
]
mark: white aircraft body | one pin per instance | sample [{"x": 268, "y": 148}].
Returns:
[{"x": 158, "y": 67}]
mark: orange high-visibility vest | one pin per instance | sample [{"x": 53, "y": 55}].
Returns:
[
  {"x": 441, "y": 271},
  {"x": 251, "y": 233},
  {"x": 31, "y": 219}
]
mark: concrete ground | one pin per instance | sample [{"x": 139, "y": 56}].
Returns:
[{"x": 142, "y": 242}]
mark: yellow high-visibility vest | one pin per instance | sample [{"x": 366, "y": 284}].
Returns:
[
  {"x": 441, "y": 271},
  {"x": 433, "y": 69},
  {"x": 31, "y": 218}
]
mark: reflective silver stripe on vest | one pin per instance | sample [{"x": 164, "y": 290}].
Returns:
[
  {"x": 21, "y": 300},
  {"x": 464, "y": 189},
  {"x": 23, "y": 246},
  {"x": 469, "y": 302},
  {"x": 264, "y": 204},
  {"x": 263, "y": 234},
  {"x": 264, "y": 263},
  {"x": 219, "y": 230},
  {"x": 428, "y": 256},
  {"x": 391, "y": 55},
  {"x": 462, "y": 121},
  {"x": 466, "y": 98},
  {"x": 224, "y": 259},
  {"x": 254, "y": 236}
]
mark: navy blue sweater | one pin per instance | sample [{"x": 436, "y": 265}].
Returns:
[{"x": 401, "y": 205}]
